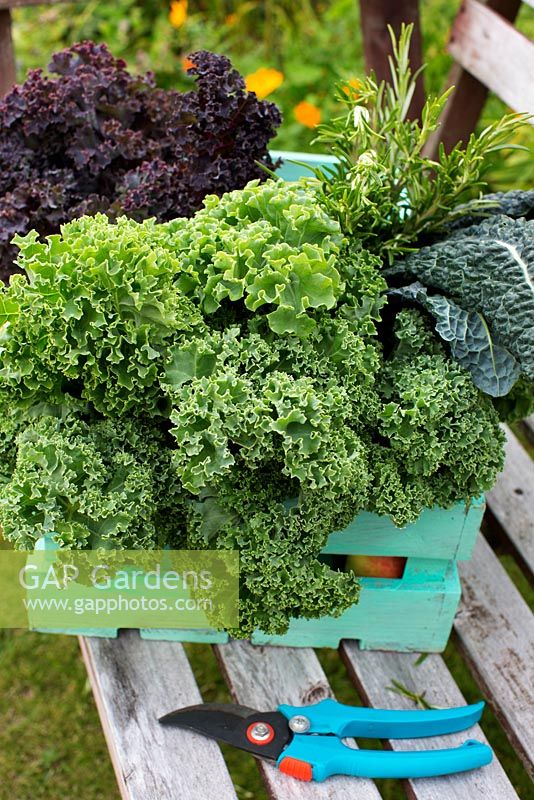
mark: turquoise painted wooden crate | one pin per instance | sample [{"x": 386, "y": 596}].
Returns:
[{"x": 414, "y": 612}]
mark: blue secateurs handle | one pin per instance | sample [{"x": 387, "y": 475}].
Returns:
[
  {"x": 316, "y": 757},
  {"x": 330, "y": 717}
]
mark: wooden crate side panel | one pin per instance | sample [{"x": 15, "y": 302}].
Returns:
[
  {"x": 427, "y": 596},
  {"x": 425, "y": 604},
  {"x": 438, "y": 533},
  {"x": 389, "y": 616},
  {"x": 102, "y": 633},
  {"x": 183, "y": 635}
]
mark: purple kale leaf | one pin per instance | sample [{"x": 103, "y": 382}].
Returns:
[{"x": 94, "y": 138}]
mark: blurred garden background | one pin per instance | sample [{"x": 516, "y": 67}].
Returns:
[{"x": 293, "y": 52}]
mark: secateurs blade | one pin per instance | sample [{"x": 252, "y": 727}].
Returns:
[{"x": 307, "y": 742}]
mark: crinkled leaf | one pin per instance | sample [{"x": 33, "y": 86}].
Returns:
[
  {"x": 99, "y": 308},
  {"x": 92, "y": 137},
  {"x": 267, "y": 245},
  {"x": 493, "y": 368},
  {"x": 489, "y": 269}
]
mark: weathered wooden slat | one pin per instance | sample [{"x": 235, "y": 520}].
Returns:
[
  {"x": 512, "y": 500},
  {"x": 528, "y": 423},
  {"x": 495, "y": 630},
  {"x": 264, "y": 677},
  {"x": 373, "y": 672},
  {"x": 492, "y": 50},
  {"x": 134, "y": 682},
  {"x": 465, "y": 104},
  {"x": 7, "y": 55},
  {"x": 375, "y": 16}
]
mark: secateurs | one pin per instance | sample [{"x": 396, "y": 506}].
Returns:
[{"x": 307, "y": 742}]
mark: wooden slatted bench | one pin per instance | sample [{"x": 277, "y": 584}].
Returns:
[{"x": 135, "y": 680}]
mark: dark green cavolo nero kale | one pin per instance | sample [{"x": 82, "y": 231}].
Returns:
[
  {"x": 481, "y": 280},
  {"x": 218, "y": 382}
]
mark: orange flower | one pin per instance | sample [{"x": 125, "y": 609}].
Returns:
[
  {"x": 178, "y": 13},
  {"x": 355, "y": 84},
  {"x": 307, "y": 114},
  {"x": 264, "y": 81},
  {"x": 187, "y": 64},
  {"x": 232, "y": 19}
]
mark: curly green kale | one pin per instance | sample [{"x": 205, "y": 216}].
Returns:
[
  {"x": 93, "y": 316},
  {"x": 271, "y": 247},
  {"x": 279, "y": 544},
  {"x": 252, "y": 397},
  {"x": 443, "y": 437},
  {"x": 91, "y": 483},
  {"x": 219, "y": 382}
]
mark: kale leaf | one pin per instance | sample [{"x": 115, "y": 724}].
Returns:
[
  {"x": 487, "y": 268},
  {"x": 152, "y": 392},
  {"x": 95, "y": 138},
  {"x": 493, "y": 368}
]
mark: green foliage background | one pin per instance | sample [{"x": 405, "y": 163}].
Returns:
[{"x": 313, "y": 43}]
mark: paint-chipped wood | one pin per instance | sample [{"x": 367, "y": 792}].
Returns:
[
  {"x": 374, "y": 672},
  {"x": 497, "y": 54},
  {"x": 512, "y": 500},
  {"x": 134, "y": 682},
  {"x": 495, "y": 630},
  {"x": 264, "y": 677}
]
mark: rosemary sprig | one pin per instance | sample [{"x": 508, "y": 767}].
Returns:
[
  {"x": 385, "y": 190},
  {"x": 417, "y": 697}
]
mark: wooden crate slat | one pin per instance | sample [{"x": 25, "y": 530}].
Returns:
[
  {"x": 495, "y": 630},
  {"x": 373, "y": 672},
  {"x": 134, "y": 682},
  {"x": 492, "y": 50},
  {"x": 264, "y": 677},
  {"x": 512, "y": 499}
]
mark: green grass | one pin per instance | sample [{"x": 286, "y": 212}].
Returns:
[{"x": 51, "y": 742}]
